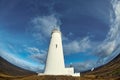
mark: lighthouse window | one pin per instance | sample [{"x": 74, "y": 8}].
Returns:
[{"x": 56, "y": 45}]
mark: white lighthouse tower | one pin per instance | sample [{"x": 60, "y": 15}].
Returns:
[{"x": 55, "y": 58}]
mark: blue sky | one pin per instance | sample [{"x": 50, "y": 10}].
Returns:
[{"x": 90, "y": 31}]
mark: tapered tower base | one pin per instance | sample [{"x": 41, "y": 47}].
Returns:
[{"x": 55, "y": 59}]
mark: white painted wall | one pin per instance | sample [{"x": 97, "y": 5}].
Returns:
[{"x": 55, "y": 58}]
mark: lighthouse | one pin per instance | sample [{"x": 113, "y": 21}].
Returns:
[{"x": 55, "y": 58}]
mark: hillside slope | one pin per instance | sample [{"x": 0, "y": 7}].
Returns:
[
  {"x": 110, "y": 70},
  {"x": 9, "y": 71},
  {"x": 7, "y": 68}
]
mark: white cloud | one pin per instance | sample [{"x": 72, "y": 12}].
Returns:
[
  {"x": 110, "y": 47},
  {"x": 103, "y": 49},
  {"x": 43, "y": 25},
  {"x": 113, "y": 38},
  {"x": 36, "y": 54},
  {"x": 32, "y": 50},
  {"x": 39, "y": 57},
  {"x": 20, "y": 62},
  {"x": 83, "y": 66},
  {"x": 77, "y": 46}
]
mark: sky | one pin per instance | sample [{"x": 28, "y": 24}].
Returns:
[{"x": 90, "y": 31}]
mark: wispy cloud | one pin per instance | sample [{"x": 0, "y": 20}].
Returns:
[
  {"x": 109, "y": 48},
  {"x": 20, "y": 62},
  {"x": 43, "y": 25},
  {"x": 32, "y": 50},
  {"x": 113, "y": 37},
  {"x": 36, "y": 54},
  {"x": 105, "y": 50},
  {"x": 77, "y": 46},
  {"x": 83, "y": 66}
]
